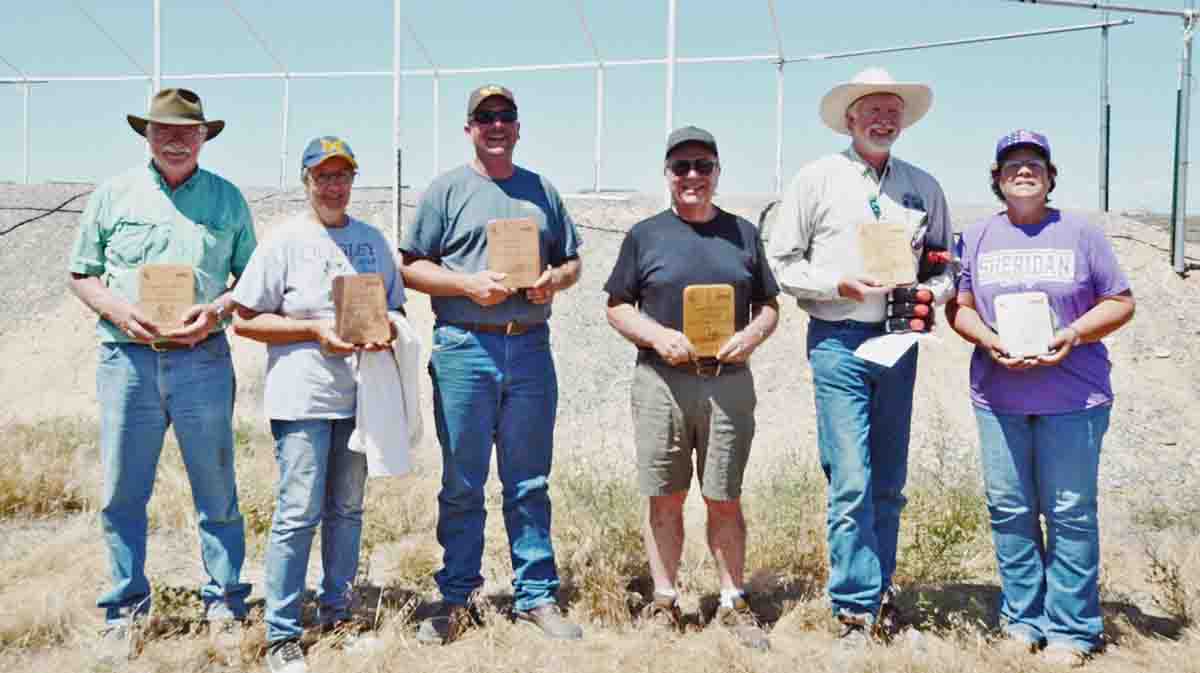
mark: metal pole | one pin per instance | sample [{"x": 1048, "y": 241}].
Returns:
[
  {"x": 157, "y": 46},
  {"x": 25, "y": 126},
  {"x": 283, "y": 141},
  {"x": 599, "y": 129},
  {"x": 1182, "y": 123},
  {"x": 670, "y": 93},
  {"x": 1104, "y": 118},
  {"x": 779, "y": 128},
  {"x": 1080, "y": 4},
  {"x": 437, "y": 124},
  {"x": 396, "y": 173}
]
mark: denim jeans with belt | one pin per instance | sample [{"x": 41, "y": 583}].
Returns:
[
  {"x": 1046, "y": 466},
  {"x": 321, "y": 482},
  {"x": 141, "y": 392},
  {"x": 864, "y": 411},
  {"x": 496, "y": 389}
]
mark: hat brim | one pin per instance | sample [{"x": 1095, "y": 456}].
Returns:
[
  {"x": 335, "y": 155},
  {"x": 918, "y": 98},
  {"x": 138, "y": 124}
]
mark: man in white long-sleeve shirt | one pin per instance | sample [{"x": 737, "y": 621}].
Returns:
[{"x": 863, "y": 409}]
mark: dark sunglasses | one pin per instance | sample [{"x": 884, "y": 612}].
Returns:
[
  {"x": 681, "y": 167},
  {"x": 486, "y": 117}
]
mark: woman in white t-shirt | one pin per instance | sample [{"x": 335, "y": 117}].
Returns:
[{"x": 285, "y": 299}]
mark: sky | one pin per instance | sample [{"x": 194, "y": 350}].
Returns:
[{"x": 1049, "y": 84}]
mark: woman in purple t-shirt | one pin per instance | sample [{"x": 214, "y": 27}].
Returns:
[{"x": 1042, "y": 417}]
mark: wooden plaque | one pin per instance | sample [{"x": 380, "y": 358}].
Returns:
[
  {"x": 165, "y": 293},
  {"x": 360, "y": 302},
  {"x": 514, "y": 248},
  {"x": 887, "y": 253},
  {"x": 1024, "y": 323},
  {"x": 708, "y": 317}
]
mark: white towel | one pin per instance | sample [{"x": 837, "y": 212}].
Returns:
[{"x": 388, "y": 414}]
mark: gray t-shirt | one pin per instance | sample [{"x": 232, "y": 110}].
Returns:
[
  {"x": 291, "y": 274},
  {"x": 450, "y": 228}
]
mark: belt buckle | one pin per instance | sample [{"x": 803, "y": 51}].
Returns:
[
  {"x": 158, "y": 346},
  {"x": 708, "y": 370},
  {"x": 513, "y": 328}
]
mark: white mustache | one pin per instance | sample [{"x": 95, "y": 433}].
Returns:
[{"x": 177, "y": 148}]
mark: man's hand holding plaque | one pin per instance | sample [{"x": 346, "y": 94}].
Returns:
[
  {"x": 708, "y": 317},
  {"x": 166, "y": 300},
  {"x": 360, "y": 305},
  {"x": 515, "y": 250}
]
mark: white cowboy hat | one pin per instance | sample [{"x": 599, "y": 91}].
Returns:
[{"x": 917, "y": 98}]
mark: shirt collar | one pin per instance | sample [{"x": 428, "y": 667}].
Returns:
[
  {"x": 162, "y": 182},
  {"x": 867, "y": 169}
]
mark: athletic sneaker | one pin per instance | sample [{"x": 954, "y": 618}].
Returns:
[
  {"x": 1065, "y": 656},
  {"x": 286, "y": 656}
]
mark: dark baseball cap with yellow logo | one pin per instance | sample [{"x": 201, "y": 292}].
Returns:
[{"x": 487, "y": 91}]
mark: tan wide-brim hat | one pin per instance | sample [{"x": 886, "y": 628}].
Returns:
[
  {"x": 179, "y": 107},
  {"x": 918, "y": 98}
]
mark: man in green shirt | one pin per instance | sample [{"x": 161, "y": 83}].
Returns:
[{"x": 154, "y": 372}]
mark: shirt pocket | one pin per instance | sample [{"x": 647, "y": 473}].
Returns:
[
  {"x": 216, "y": 243},
  {"x": 130, "y": 242}
]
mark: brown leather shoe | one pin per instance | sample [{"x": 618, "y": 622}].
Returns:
[
  {"x": 741, "y": 622},
  {"x": 662, "y": 614},
  {"x": 550, "y": 620},
  {"x": 446, "y": 625}
]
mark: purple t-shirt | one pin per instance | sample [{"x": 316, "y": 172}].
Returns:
[{"x": 1074, "y": 264}]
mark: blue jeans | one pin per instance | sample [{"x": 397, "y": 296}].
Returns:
[
  {"x": 141, "y": 392},
  {"x": 864, "y": 412},
  {"x": 495, "y": 389},
  {"x": 321, "y": 482},
  {"x": 1046, "y": 466}
]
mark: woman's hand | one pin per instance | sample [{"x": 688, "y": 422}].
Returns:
[
  {"x": 1060, "y": 346},
  {"x": 995, "y": 349}
]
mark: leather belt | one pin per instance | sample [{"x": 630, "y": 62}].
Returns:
[
  {"x": 510, "y": 328},
  {"x": 705, "y": 368},
  {"x": 164, "y": 346}
]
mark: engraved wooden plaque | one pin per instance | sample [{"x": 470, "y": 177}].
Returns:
[
  {"x": 360, "y": 304},
  {"x": 708, "y": 317},
  {"x": 165, "y": 293},
  {"x": 514, "y": 248},
  {"x": 887, "y": 253},
  {"x": 1024, "y": 323}
]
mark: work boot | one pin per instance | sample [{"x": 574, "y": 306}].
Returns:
[
  {"x": 446, "y": 625},
  {"x": 740, "y": 621},
  {"x": 662, "y": 614},
  {"x": 550, "y": 620}
]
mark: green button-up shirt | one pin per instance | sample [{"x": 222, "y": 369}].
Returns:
[{"x": 136, "y": 218}]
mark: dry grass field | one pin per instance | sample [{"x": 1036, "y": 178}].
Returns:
[{"x": 52, "y": 564}]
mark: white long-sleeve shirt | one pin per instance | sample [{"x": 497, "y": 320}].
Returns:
[{"x": 813, "y": 240}]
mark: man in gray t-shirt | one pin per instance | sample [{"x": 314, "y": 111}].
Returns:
[{"x": 492, "y": 370}]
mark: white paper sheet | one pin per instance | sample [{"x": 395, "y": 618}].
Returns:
[{"x": 887, "y": 349}]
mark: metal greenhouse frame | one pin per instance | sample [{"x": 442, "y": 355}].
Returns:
[{"x": 774, "y": 57}]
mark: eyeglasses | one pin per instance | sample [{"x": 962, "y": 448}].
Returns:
[
  {"x": 339, "y": 178},
  {"x": 186, "y": 132},
  {"x": 1014, "y": 166},
  {"x": 681, "y": 167},
  {"x": 485, "y": 117}
]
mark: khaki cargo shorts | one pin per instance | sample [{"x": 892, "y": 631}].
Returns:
[{"x": 678, "y": 414}]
